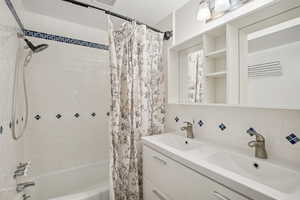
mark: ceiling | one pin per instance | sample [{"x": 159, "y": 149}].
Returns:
[{"x": 147, "y": 11}]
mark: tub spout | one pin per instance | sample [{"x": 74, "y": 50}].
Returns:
[{"x": 22, "y": 186}]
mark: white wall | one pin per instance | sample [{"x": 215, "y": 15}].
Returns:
[
  {"x": 187, "y": 26},
  {"x": 10, "y": 150},
  {"x": 276, "y": 90},
  {"x": 67, "y": 79}
]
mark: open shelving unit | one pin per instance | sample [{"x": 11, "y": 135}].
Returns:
[
  {"x": 221, "y": 74},
  {"x": 217, "y": 54},
  {"x": 215, "y": 65},
  {"x": 220, "y": 66}
]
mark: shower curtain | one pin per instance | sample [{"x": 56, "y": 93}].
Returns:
[
  {"x": 195, "y": 75},
  {"x": 138, "y": 103}
]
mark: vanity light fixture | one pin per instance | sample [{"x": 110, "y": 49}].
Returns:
[
  {"x": 204, "y": 12},
  {"x": 221, "y": 6},
  {"x": 212, "y": 9}
]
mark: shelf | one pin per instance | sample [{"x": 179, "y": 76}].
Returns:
[
  {"x": 217, "y": 74},
  {"x": 217, "y": 54},
  {"x": 242, "y": 106}
]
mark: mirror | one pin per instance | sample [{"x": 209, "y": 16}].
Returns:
[
  {"x": 191, "y": 75},
  {"x": 254, "y": 66},
  {"x": 207, "y": 72},
  {"x": 270, "y": 64}
]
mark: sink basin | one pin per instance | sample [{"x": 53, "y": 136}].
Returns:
[
  {"x": 178, "y": 142},
  {"x": 276, "y": 177}
]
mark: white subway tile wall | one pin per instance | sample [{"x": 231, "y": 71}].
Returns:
[
  {"x": 71, "y": 81},
  {"x": 67, "y": 154},
  {"x": 11, "y": 152}
]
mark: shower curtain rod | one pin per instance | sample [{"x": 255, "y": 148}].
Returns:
[{"x": 167, "y": 34}]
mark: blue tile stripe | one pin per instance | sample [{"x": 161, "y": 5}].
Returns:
[
  {"x": 47, "y": 36},
  {"x": 292, "y": 138},
  {"x": 67, "y": 40}
]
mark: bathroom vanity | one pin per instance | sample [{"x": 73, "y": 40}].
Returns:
[
  {"x": 177, "y": 168},
  {"x": 247, "y": 58}
]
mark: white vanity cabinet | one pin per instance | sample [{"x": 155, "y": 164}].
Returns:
[{"x": 166, "y": 179}]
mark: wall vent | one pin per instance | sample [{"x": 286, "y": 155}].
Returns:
[{"x": 265, "y": 69}]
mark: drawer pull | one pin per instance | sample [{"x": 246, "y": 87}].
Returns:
[
  {"x": 160, "y": 160},
  {"x": 220, "y": 196},
  {"x": 159, "y": 195}
]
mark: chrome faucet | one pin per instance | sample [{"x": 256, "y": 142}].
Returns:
[
  {"x": 189, "y": 129},
  {"x": 22, "y": 186},
  {"x": 258, "y": 144}
]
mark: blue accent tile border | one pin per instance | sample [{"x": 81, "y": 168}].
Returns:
[
  {"x": 31, "y": 33},
  {"x": 222, "y": 127},
  {"x": 293, "y": 139},
  {"x": 200, "y": 123},
  {"x": 66, "y": 40}
]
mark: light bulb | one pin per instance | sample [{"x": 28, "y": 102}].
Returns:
[
  {"x": 203, "y": 11},
  {"x": 222, "y": 6}
]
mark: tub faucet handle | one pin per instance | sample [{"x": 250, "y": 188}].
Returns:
[
  {"x": 23, "y": 165},
  {"x": 26, "y": 196},
  {"x": 21, "y": 170}
]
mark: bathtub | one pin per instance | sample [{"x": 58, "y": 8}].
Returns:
[
  {"x": 84, "y": 182},
  {"x": 96, "y": 193}
]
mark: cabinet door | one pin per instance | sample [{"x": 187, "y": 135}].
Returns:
[
  {"x": 179, "y": 182},
  {"x": 159, "y": 170},
  {"x": 153, "y": 193}
]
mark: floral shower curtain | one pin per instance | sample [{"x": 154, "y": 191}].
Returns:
[
  {"x": 138, "y": 103},
  {"x": 195, "y": 74}
]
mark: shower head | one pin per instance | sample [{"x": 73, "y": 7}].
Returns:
[{"x": 36, "y": 49}]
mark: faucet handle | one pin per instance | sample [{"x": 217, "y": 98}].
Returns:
[
  {"x": 23, "y": 165},
  {"x": 26, "y": 196},
  {"x": 251, "y": 131},
  {"x": 188, "y": 123}
]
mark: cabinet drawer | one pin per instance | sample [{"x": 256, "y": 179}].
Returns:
[
  {"x": 179, "y": 182},
  {"x": 158, "y": 169},
  {"x": 153, "y": 193}
]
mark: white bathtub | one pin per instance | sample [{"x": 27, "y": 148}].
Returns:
[
  {"x": 96, "y": 193},
  {"x": 85, "y": 182}
]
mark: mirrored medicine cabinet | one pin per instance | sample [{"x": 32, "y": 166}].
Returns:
[{"x": 257, "y": 65}]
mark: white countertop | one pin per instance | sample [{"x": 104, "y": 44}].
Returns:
[{"x": 197, "y": 159}]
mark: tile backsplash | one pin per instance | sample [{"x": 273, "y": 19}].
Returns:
[{"x": 228, "y": 126}]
